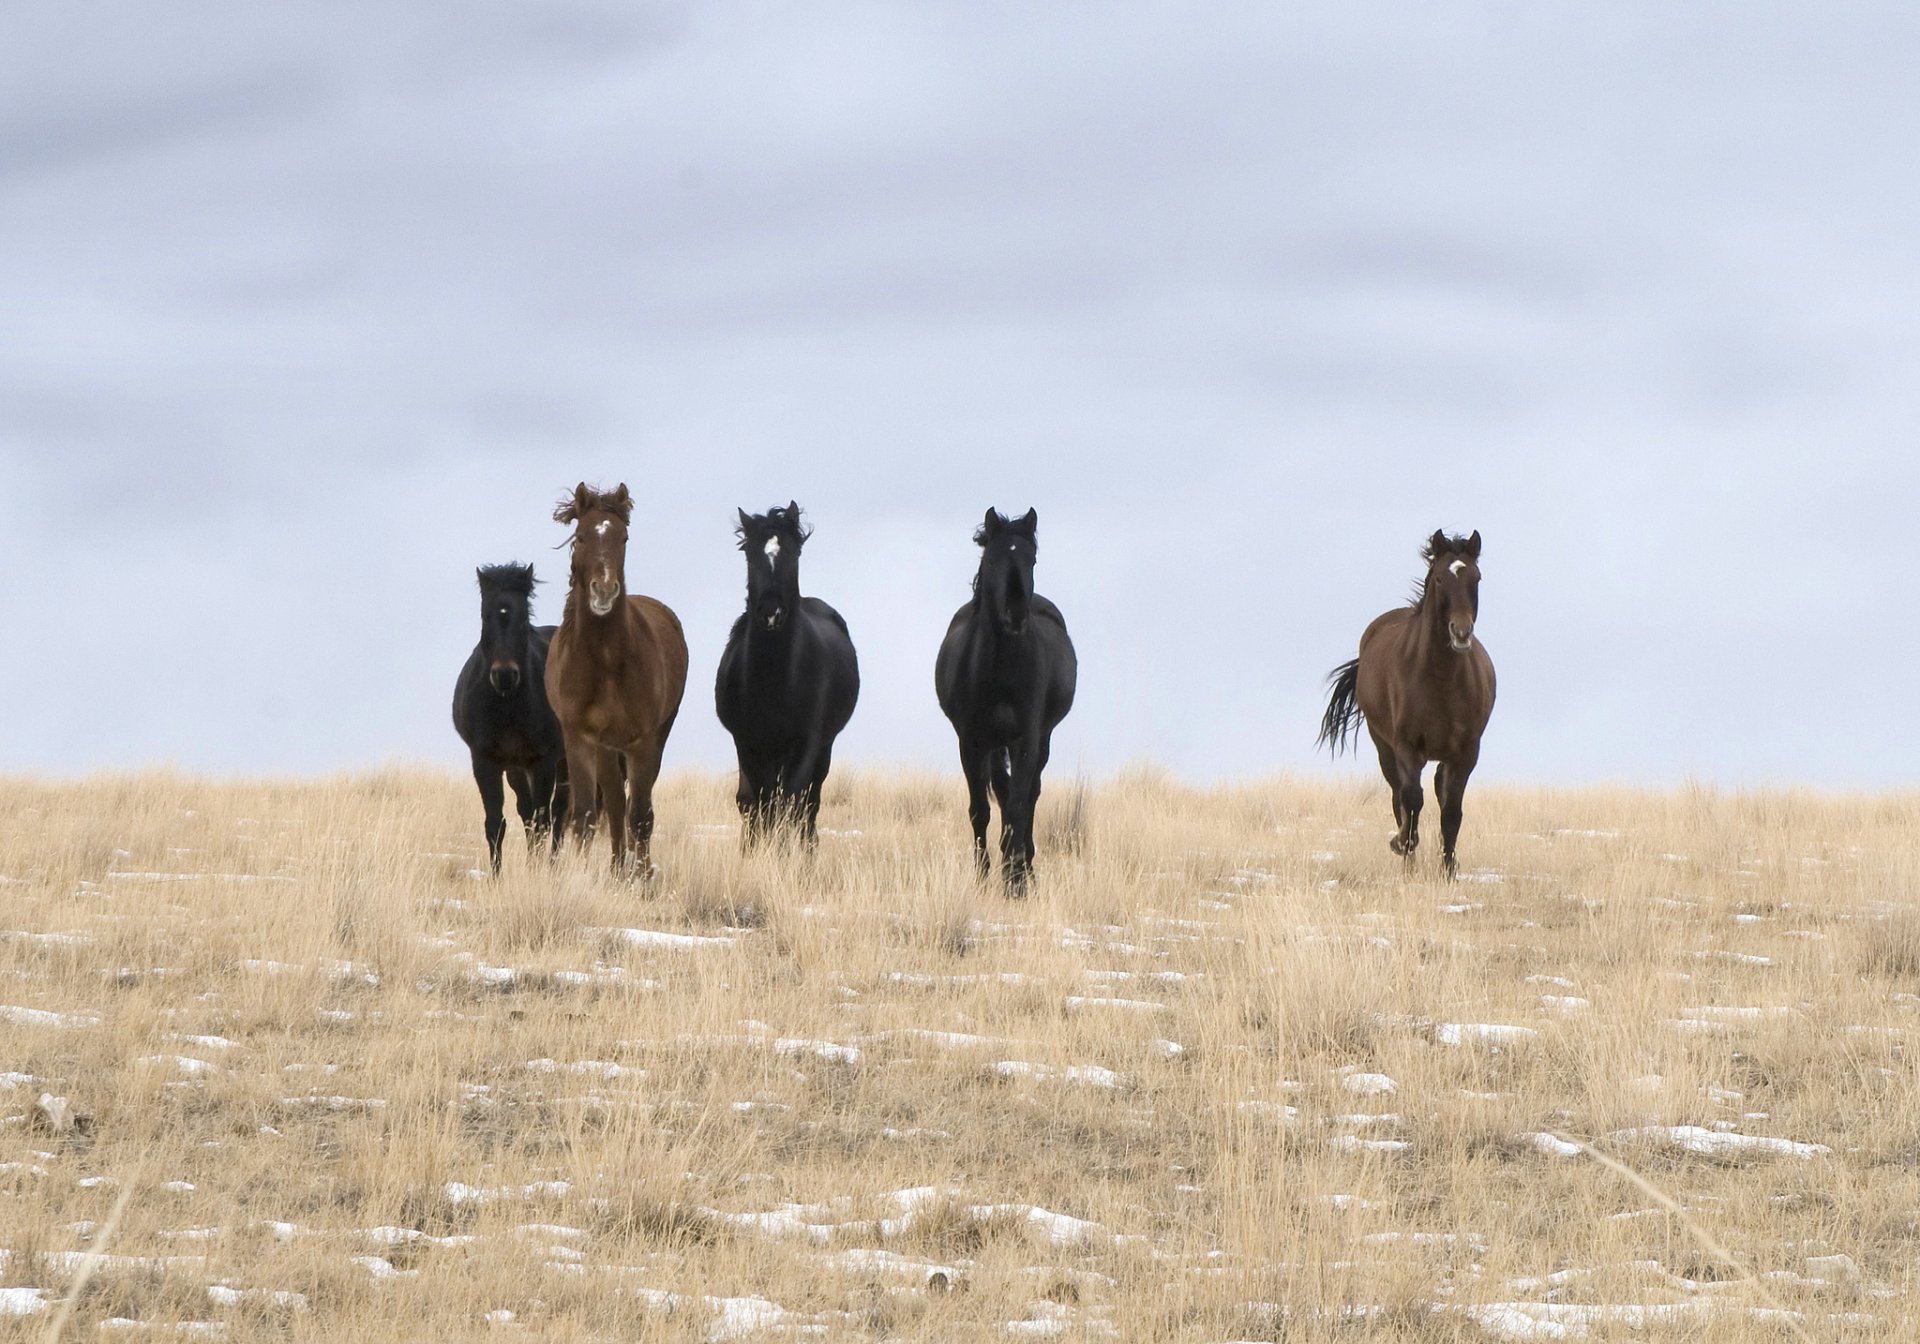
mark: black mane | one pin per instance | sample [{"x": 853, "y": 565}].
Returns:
[
  {"x": 509, "y": 578},
  {"x": 782, "y": 521}
]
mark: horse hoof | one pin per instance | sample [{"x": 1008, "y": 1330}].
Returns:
[{"x": 1397, "y": 845}]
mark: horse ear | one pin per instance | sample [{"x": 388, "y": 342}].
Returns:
[
  {"x": 569, "y": 510},
  {"x": 991, "y": 525},
  {"x": 793, "y": 510},
  {"x": 1473, "y": 545},
  {"x": 1027, "y": 522},
  {"x": 1437, "y": 544},
  {"x": 620, "y": 501},
  {"x": 745, "y": 519}
]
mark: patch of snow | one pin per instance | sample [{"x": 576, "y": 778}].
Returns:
[
  {"x": 1078, "y": 1001},
  {"x": 40, "y": 1017},
  {"x": 1551, "y": 1145},
  {"x": 658, "y": 938},
  {"x": 1369, "y": 1084},
  {"x": 1091, "y": 1075},
  {"x": 1481, "y": 1033},
  {"x": 22, "y": 1301},
  {"x": 1714, "y": 1143},
  {"x": 1353, "y": 1143}
]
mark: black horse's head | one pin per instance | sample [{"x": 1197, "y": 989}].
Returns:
[
  {"x": 506, "y": 624},
  {"x": 1005, "y": 581},
  {"x": 771, "y": 542},
  {"x": 1453, "y": 581}
]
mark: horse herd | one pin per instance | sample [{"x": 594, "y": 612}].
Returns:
[{"x": 575, "y": 717}]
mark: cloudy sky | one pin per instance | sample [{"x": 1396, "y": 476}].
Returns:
[{"x": 306, "y": 310}]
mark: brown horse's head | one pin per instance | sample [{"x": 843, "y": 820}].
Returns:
[
  {"x": 1453, "y": 585},
  {"x": 599, "y": 543},
  {"x": 1008, "y": 549}
]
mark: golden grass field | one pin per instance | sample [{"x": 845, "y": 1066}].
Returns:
[{"x": 1230, "y": 1074}]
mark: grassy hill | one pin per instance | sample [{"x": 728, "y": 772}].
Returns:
[{"x": 1231, "y": 1073}]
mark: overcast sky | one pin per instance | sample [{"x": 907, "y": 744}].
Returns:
[{"x": 306, "y": 310}]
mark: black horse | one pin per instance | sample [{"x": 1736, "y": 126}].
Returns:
[
  {"x": 1005, "y": 677},
  {"x": 500, "y": 711},
  {"x": 787, "y": 683}
]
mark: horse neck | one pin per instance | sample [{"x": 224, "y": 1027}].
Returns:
[
  {"x": 616, "y": 631},
  {"x": 768, "y": 652},
  {"x": 1429, "y": 648}
]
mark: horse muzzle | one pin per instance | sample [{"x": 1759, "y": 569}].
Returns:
[
  {"x": 1459, "y": 636},
  {"x": 774, "y": 618},
  {"x": 504, "y": 678},
  {"x": 600, "y": 599}
]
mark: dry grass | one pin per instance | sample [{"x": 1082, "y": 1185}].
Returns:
[{"x": 441, "y": 1107}]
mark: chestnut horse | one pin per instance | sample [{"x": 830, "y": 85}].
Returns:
[
  {"x": 1423, "y": 685},
  {"x": 615, "y": 673}
]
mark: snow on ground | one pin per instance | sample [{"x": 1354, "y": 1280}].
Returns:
[{"x": 1053, "y": 1021}]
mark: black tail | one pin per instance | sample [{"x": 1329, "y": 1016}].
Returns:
[{"x": 1341, "y": 723}]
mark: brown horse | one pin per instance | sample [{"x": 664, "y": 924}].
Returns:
[
  {"x": 615, "y": 673},
  {"x": 1423, "y": 684}
]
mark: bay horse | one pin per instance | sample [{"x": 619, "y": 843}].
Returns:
[
  {"x": 1423, "y": 685},
  {"x": 615, "y": 674},
  {"x": 501, "y": 712},
  {"x": 788, "y": 681},
  {"x": 1005, "y": 678}
]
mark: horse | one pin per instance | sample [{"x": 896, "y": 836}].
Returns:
[
  {"x": 1005, "y": 677},
  {"x": 501, "y": 712},
  {"x": 787, "y": 683},
  {"x": 615, "y": 674},
  {"x": 1423, "y": 685}
]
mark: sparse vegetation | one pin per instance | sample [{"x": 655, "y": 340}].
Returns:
[{"x": 1229, "y": 1073}]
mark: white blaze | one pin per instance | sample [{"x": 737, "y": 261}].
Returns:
[
  {"x": 1455, "y": 568},
  {"x": 773, "y": 551},
  {"x": 600, "y": 528}
]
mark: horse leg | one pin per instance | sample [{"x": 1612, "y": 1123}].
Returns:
[
  {"x": 544, "y": 822},
  {"x": 1411, "y": 800},
  {"x": 804, "y": 777},
  {"x": 975, "y": 764},
  {"x": 643, "y": 768},
  {"x": 1022, "y": 796},
  {"x": 524, "y": 802},
  {"x": 816, "y": 778},
  {"x": 583, "y": 788},
  {"x": 1000, "y": 780},
  {"x": 493, "y": 799},
  {"x": 746, "y": 796},
  {"x": 1390, "y": 767},
  {"x": 1450, "y": 786},
  {"x": 613, "y": 803}
]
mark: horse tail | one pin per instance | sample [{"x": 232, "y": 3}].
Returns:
[{"x": 1341, "y": 723}]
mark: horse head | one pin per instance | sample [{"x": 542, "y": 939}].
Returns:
[
  {"x": 599, "y": 543},
  {"x": 1453, "y": 583},
  {"x": 506, "y": 626},
  {"x": 771, "y": 541},
  {"x": 1008, "y": 550}
]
